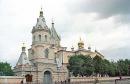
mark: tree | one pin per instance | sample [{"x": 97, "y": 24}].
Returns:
[
  {"x": 5, "y": 69},
  {"x": 81, "y": 65},
  {"x": 123, "y": 66},
  {"x": 98, "y": 65},
  {"x": 85, "y": 66},
  {"x": 112, "y": 69},
  {"x": 104, "y": 67},
  {"x": 75, "y": 64}
]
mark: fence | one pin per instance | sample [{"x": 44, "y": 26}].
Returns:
[
  {"x": 116, "y": 81},
  {"x": 96, "y": 81}
]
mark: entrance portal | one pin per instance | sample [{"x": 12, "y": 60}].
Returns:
[
  {"x": 28, "y": 78},
  {"x": 47, "y": 77}
]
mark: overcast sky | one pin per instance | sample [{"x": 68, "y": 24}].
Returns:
[{"x": 102, "y": 24}]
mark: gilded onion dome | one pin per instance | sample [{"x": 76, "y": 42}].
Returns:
[{"x": 81, "y": 44}]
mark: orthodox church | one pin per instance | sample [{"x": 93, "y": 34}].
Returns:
[{"x": 47, "y": 60}]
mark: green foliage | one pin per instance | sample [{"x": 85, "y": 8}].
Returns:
[
  {"x": 5, "y": 69},
  {"x": 112, "y": 70},
  {"x": 98, "y": 64},
  {"x": 123, "y": 66},
  {"x": 78, "y": 63},
  {"x": 86, "y": 66}
]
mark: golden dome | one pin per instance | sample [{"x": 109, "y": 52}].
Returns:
[{"x": 81, "y": 44}]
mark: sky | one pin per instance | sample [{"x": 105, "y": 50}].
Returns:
[{"x": 102, "y": 24}]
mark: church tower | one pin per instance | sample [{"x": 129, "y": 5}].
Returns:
[
  {"x": 44, "y": 39},
  {"x": 23, "y": 65},
  {"x": 55, "y": 39},
  {"x": 40, "y": 32},
  {"x": 44, "y": 49}
]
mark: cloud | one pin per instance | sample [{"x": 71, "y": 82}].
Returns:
[
  {"x": 122, "y": 19},
  {"x": 99, "y": 34},
  {"x": 105, "y": 8},
  {"x": 117, "y": 53}
]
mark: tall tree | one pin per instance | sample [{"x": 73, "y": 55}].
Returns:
[
  {"x": 123, "y": 66},
  {"x": 5, "y": 69},
  {"x": 81, "y": 65},
  {"x": 89, "y": 67},
  {"x": 98, "y": 65},
  {"x": 85, "y": 66}
]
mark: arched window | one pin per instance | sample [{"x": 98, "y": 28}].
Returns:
[
  {"x": 33, "y": 38},
  {"x": 39, "y": 37},
  {"x": 45, "y": 37},
  {"x": 46, "y": 52},
  {"x": 32, "y": 52}
]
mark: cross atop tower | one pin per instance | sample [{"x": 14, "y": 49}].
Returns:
[
  {"x": 23, "y": 47},
  {"x": 41, "y": 13}
]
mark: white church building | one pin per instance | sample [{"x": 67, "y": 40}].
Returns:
[{"x": 47, "y": 60}]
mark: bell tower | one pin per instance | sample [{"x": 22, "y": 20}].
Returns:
[
  {"x": 45, "y": 41},
  {"x": 41, "y": 37},
  {"x": 44, "y": 50},
  {"x": 40, "y": 32}
]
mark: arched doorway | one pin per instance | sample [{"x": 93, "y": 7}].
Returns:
[
  {"x": 28, "y": 78},
  {"x": 47, "y": 77}
]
